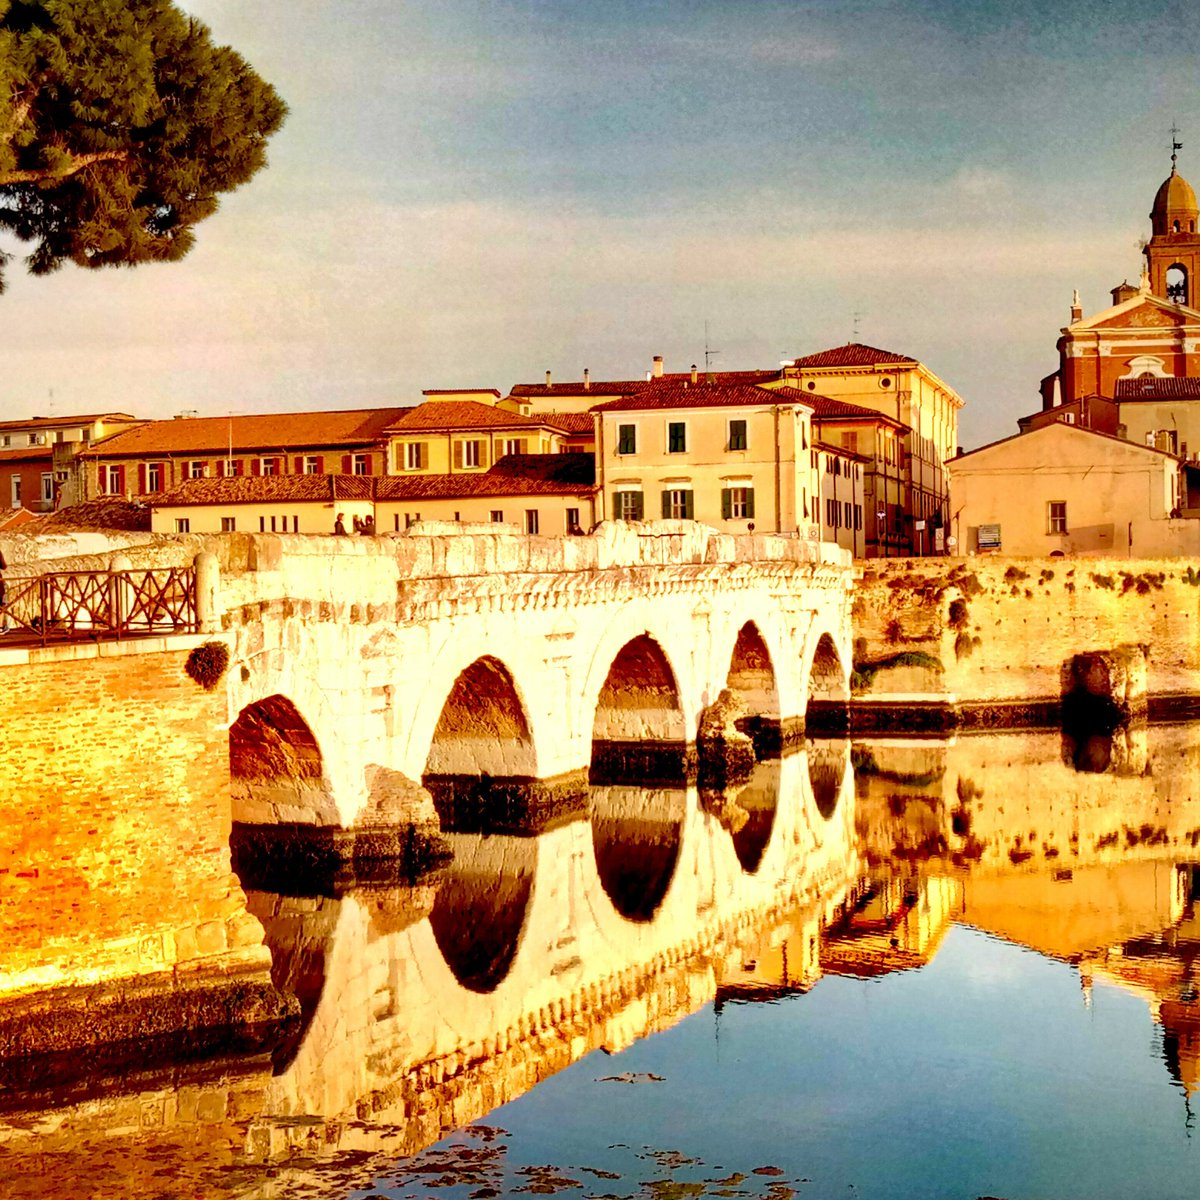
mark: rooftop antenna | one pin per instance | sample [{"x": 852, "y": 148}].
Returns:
[
  {"x": 708, "y": 354},
  {"x": 858, "y": 316},
  {"x": 1176, "y": 145}
]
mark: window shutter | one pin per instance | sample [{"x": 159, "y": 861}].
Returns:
[
  {"x": 141, "y": 477},
  {"x": 370, "y": 464},
  {"x": 666, "y": 505},
  {"x": 423, "y": 455},
  {"x": 347, "y": 464},
  {"x": 458, "y": 455},
  {"x": 255, "y": 466},
  {"x": 688, "y": 505},
  {"x": 484, "y": 447},
  {"x": 726, "y": 503},
  {"x": 299, "y": 465},
  {"x": 320, "y": 464},
  {"x": 639, "y": 506},
  {"x": 750, "y": 503}
]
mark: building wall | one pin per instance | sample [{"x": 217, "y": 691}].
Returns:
[
  {"x": 439, "y": 455},
  {"x": 280, "y": 517},
  {"x": 1172, "y": 425},
  {"x": 840, "y": 501},
  {"x": 776, "y": 465},
  {"x": 27, "y": 483},
  {"x": 1117, "y": 498},
  {"x": 114, "y": 794},
  {"x": 552, "y": 512}
]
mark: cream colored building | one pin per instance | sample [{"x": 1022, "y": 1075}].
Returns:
[
  {"x": 900, "y": 387},
  {"x": 726, "y": 454},
  {"x": 465, "y": 432},
  {"x": 1062, "y": 489},
  {"x": 840, "y": 474}
]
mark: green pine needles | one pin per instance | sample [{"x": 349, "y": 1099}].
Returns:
[{"x": 120, "y": 125}]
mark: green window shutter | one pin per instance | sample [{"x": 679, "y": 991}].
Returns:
[
  {"x": 639, "y": 506},
  {"x": 666, "y": 505},
  {"x": 750, "y": 503},
  {"x": 726, "y": 503},
  {"x": 689, "y": 506}
]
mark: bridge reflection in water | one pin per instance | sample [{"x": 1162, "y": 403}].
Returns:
[{"x": 424, "y": 1008}]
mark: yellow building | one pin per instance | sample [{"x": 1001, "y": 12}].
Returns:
[
  {"x": 464, "y": 432},
  {"x": 1062, "y": 489},
  {"x": 900, "y": 387},
  {"x": 840, "y": 474},
  {"x": 729, "y": 455}
]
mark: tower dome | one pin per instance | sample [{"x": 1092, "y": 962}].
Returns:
[{"x": 1175, "y": 209}]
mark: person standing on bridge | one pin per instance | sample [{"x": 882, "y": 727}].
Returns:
[{"x": 339, "y": 526}]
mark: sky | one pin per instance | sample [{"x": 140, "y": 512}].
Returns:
[{"x": 468, "y": 193}]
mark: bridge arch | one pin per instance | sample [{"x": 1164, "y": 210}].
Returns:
[
  {"x": 276, "y": 768},
  {"x": 828, "y": 692},
  {"x": 482, "y": 725},
  {"x": 752, "y": 679}
]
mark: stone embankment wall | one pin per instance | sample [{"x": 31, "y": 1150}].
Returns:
[
  {"x": 993, "y": 636},
  {"x": 114, "y": 798}
]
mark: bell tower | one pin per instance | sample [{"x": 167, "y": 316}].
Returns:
[{"x": 1173, "y": 251}]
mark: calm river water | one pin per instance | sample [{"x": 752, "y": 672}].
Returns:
[{"x": 901, "y": 968}]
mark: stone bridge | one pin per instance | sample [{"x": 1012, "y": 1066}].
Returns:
[{"x": 360, "y": 668}]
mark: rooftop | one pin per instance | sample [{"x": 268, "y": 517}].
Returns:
[
  {"x": 659, "y": 395},
  {"x": 255, "y": 489},
  {"x": 1150, "y": 388},
  {"x": 64, "y": 422},
  {"x": 853, "y": 354},
  {"x": 261, "y": 431},
  {"x": 827, "y": 408},
  {"x": 448, "y": 415}
]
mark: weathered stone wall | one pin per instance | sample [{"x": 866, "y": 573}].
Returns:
[
  {"x": 991, "y": 632},
  {"x": 114, "y": 798}
]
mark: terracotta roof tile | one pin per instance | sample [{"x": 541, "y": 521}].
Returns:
[
  {"x": 1149, "y": 388},
  {"x": 461, "y": 392},
  {"x": 828, "y": 408},
  {"x": 265, "y": 489},
  {"x": 63, "y": 422},
  {"x": 105, "y": 513},
  {"x": 697, "y": 395},
  {"x": 570, "y": 422},
  {"x": 27, "y": 454},
  {"x": 262, "y": 431},
  {"x": 446, "y": 415},
  {"x": 599, "y": 388},
  {"x": 853, "y": 354},
  {"x": 512, "y": 475}
]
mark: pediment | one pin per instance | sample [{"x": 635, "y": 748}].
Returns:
[{"x": 1142, "y": 311}]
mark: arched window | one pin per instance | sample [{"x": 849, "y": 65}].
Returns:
[
  {"x": 1177, "y": 284},
  {"x": 1175, "y": 227}
]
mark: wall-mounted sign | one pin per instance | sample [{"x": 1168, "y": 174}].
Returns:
[{"x": 988, "y": 537}]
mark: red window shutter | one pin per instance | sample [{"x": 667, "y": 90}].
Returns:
[
  {"x": 299, "y": 467},
  {"x": 320, "y": 464},
  {"x": 370, "y": 464},
  {"x": 254, "y": 466},
  {"x": 347, "y": 464},
  {"x": 220, "y": 468},
  {"x": 142, "y": 477}
]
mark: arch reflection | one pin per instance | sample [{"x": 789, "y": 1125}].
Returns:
[
  {"x": 481, "y": 906},
  {"x": 637, "y": 834},
  {"x": 828, "y": 763}
]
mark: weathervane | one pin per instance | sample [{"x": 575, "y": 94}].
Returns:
[{"x": 1176, "y": 145}]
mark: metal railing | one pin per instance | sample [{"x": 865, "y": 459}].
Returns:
[{"x": 100, "y": 605}]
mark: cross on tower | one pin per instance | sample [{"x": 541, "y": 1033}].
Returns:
[{"x": 1176, "y": 145}]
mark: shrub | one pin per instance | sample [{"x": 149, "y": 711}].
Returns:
[{"x": 207, "y": 663}]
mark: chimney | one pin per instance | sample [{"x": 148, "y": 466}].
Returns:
[
  {"x": 693, "y": 372},
  {"x": 587, "y": 380},
  {"x": 658, "y": 366},
  {"x": 1076, "y": 307},
  {"x": 547, "y": 378}
]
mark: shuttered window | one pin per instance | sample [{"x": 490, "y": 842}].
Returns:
[{"x": 678, "y": 504}]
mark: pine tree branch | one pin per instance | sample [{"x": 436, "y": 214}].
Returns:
[{"x": 73, "y": 166}]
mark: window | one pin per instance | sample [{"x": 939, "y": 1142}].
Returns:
[
  {"x": 7, "y": 440},
  {"x": 469, "y": 454},
  {"x": 850, "y": 441},
  {"x": 676, "y": 437},
  {"x": 311, "y": 465},
  {"x": 183, "y": 525},
  {"x": 515, "y": 445},
  {"x": 196, "y": 470},
  {"x": 572, "y": 519},
  {"x": 531, "y": 520},
  {"x": 737, "y": 503},
  {"x": 629, "y": 506},
  {"x": 678, "y": 504},
  {"x": 48, "y": 488},
  {"x": 847, "y": 514},
  {"x": 416, "y": 456},
  {"x": 858, "y": 516},
  {"x": 229, "y": 524},
  {"x": 362, "y": 464},
  {"x": 410, "y": 519},
  {"x": 1056, "y": 516},
  {"x": 829, "y": 464},
  {"x": 16, "y": 491},
  {"x": 268, "y": 466},
  {"x": 262, "y": 524},
  {"x": 831, "y": 513},
  {"x": 154, "y": 477},
  {"x": 737, "y": 435},
  {"x": 295, "y": 524},
  {"x": 626, "y": 439},
  {"x": 112, "y": 480},
  {"x": 497, "y": 516}
]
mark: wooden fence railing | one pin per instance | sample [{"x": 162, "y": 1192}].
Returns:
[{"x": 100, "y": 605}]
